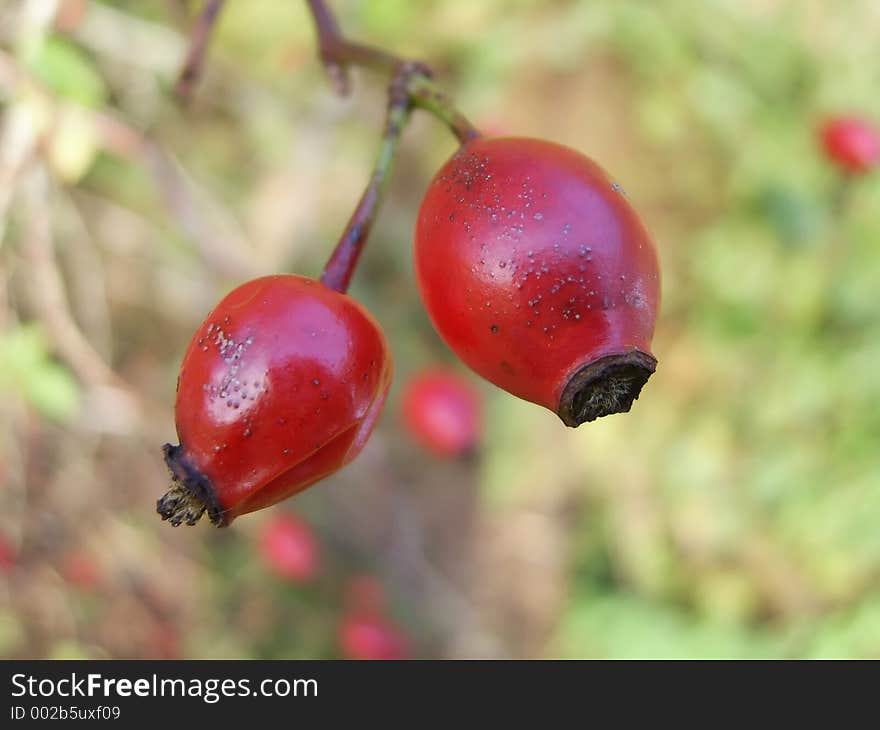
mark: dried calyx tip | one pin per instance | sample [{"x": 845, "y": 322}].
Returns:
[
  {"x": 191, "y": 493},
  {"x": 605, "y": 386}
]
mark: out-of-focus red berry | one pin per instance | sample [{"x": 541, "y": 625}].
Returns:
[
  {"x": 442, "y": 412},
  {"x": 164, "y": 642},
  {"x": 289, "y": 548},
  {"x": 368, "y": 635},
  {"x": 851, "y": 143},
  {"x": 80, "y": 571},
  {"x": 7, "y": 556}
]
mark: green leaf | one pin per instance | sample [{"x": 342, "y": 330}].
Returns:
[
  {"x": 67, "y": 70},
  {"x": 27, "y": 369}
]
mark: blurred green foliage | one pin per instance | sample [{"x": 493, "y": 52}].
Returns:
[
  {"x": 27, "y": 369},
  {"x": 732, "y": 513}
]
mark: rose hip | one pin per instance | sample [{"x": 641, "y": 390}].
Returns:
[{"x": 539, "y": 274}]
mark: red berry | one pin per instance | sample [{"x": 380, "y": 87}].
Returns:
[
  {"x": 80, "y": 571},
  {"x": 289, "y": 548},
  {"x": 442, "y": 412},
  {"x": 164, "y": 642},
  {"x": 539, "y": 274},
  {"x": 851, "y": 143},
  {"x": 280, "y": 387},
  {"x": 7, "y": 556},
  {"x": 367, "y": 635}
]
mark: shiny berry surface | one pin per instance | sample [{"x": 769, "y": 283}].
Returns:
[
  {"x": 289, "y": 548},
  {"x": 442, "y": 412},
  {"x": 280, "y": 387},
  {"x": 538, "y": 273},
  {"x": 851, "y": 143}
]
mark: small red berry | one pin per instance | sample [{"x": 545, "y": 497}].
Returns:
[
  {"x": 442, "y": 412},
  {"x": 851, "y": 143},
  {"x": 538, "y": 273},
  {"x": 289, "y": 548},
  {"x": 280, "y": 387},
  {"x": 7, "y": 556},
  {"x": 164, "y": 642},
  {"x": 367, "y": 635},
  {"x": 80, "y": 571}
]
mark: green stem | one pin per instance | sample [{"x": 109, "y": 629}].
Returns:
[
  {"x": 340, "y": 267},
  {"x": 338, "y": 53},
  {"x": 425, "y": 94},
  {"x": 411, "y": 87}
]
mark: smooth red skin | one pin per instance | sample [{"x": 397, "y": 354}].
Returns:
[
  {"x": 368, "y": 635},
  {"x": 313, "y": 370},
  {"x": 851, "y": 143},
  {"x": 289, "y": 548},
  {"x": 532, "y": 263},
  {"x": 442, "y": 412}
]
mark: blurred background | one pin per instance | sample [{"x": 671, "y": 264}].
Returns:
[{"x": 735, "y": 512}]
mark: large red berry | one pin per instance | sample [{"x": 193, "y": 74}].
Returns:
[
  {"x": 539, "y": 274},
  {"x": 442, "y": 411},
  {"x": 281, "y": 386},
  {"x": 851, "y": 143},
  {"x": 368, "y": 635},
  {"x": 289, "y": 548}
]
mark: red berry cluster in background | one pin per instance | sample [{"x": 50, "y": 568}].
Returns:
[
  {"x": 291, "y": 551},
  {"x": 851, "y": 143},
  {"x": 442, "y": 411}
]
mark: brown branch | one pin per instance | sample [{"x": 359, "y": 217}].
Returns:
[
  {"x": 338, "y": 53},
  {"x": 411, "y": 86},
  {"x": 195, "y": 57}
]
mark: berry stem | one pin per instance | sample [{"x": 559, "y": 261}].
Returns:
[
  {"x": 338, "y": 54},
  {"x": 411, "y": 87},
  {"x": 201, "y": 34},
  {"x": 340, "y": 267}
]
